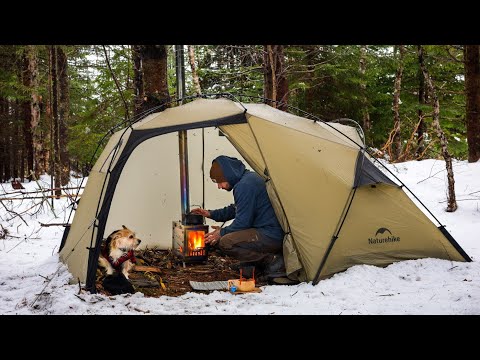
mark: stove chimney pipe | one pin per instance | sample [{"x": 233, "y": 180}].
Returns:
[{"x": 182, "y": 134}]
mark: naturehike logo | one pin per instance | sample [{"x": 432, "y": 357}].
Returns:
[
  {"x": 382, "y": 231},
  {"x": 382, "y": 236}
]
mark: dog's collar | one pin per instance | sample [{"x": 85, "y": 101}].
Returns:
[{"x": 127, "y": 256}]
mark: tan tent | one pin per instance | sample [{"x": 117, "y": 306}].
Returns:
[{"x": 336, "y": 207}]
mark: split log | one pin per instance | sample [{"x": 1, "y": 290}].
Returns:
[
  {"x": 199, "y": 271},
  {"x": 144, "y": 283},
  {"x": 152, "y": 269}
]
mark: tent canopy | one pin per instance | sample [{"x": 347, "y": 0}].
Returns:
[{"x": 337, "y": 208}]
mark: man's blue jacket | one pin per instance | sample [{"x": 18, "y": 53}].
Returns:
[{"x": 252, "y": 207}]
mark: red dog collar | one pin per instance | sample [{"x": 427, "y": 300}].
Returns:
[{"x": 117, "y": 263}]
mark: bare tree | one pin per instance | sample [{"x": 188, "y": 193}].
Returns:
[
  {"x": 63, "y": 116},
  {"x": 422, "y": 100},
  {"x": 451, "y": 200},
  {"x": 137, "y": 79},
  {"x": 275, "y": 82},
  {"x": 191, "y": 60},
  {"x": 397, "y": 139},
  {"x": 363, "y": 88}
]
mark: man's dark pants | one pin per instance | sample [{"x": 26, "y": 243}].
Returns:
[{"x": 251, "y": 246}]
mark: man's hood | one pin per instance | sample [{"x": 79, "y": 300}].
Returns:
[{"x": 232, "y": 168}]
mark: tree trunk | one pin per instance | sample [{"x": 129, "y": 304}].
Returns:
[
  {"x": 275, "y": 82},
  {"x": 20, "y": 153},
  {"x": 63, "y": 116},
  {"x": 422, "y": 100},
  {"x": 397, "y": 139},
  {"x": 31, "y": 110},
  {"x": 3, "y": 138},
  {"x": 18, "y": 139},
  {"x": 8, "y": 142},
  {"x": 472, "y": 90},
  {"x": 39, "y": 144},
  {"x": 191, "y": 59},
  {"x": 27, "y": 112},
  {"x": 155, "y": 77},
  {"x": 137, "y": 79},
  {"x": 48, "y": 136},
  {"x": 10, "y": 149},
  {"x": 6, "y": 148},
  {"x": 55, "y": 152},
  {"x": 451, "y": 200},
  {"x": 363, "y": 89}
]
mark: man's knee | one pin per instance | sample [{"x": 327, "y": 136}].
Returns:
[{"x": 226, "y": 242}]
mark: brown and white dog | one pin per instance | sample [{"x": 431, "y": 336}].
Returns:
[{"x": 117, "y": 252}]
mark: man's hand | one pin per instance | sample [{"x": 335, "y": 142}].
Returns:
[
  {"x": 213, "y": 236},
  {"x": 200, "y": 211}
]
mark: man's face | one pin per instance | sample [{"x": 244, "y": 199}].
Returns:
[{"x": 224, "y": 185}]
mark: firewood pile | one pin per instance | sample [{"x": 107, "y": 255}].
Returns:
[{"x": 162, "y": 272}]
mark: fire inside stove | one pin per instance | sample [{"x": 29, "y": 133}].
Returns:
[
  {"x": 189, "y": 240},
  {"x": 195, "y": 242}
]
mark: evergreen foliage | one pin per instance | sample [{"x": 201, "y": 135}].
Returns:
[{"x": 323, "y": 79}]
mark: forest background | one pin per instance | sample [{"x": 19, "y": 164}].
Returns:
[{"x": 59, "y": 102}]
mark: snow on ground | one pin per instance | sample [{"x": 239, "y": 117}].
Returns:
[{"x": 33, "y": 281}]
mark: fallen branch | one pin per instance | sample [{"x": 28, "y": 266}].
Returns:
[
  {"x": 431, "y": 176},
  {"x": 42, "y": 190},
  {"x": 53, "y": 224},
  {"x": 460, "y": 200},
  {"x": 140, "y": 310},
  {"x": 80, "y": 298},
  {"x": 43, "y": 195},
  {"x": 37, "y": 197},
  {"x": 13, "y": 212}
]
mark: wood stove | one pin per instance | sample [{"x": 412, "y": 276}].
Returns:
[
  {"x": 189, "y": 233},
  {"x": 189, "y": 241}
]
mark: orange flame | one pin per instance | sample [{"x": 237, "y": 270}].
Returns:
[{"x": 196, "y": 239}]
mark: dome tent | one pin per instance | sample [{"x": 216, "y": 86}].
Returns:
[{"x": 336, "y": 207}]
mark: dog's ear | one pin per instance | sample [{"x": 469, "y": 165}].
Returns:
[
  {"x": 126, "y": 228},
  {"x": 110, "y": 237},
  {"x": 114, "y": 235}
]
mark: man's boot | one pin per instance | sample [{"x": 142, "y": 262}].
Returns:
[{"x": 274, "y": 266}]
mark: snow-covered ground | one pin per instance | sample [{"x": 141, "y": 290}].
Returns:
[{"x": 33, "y": 281}]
